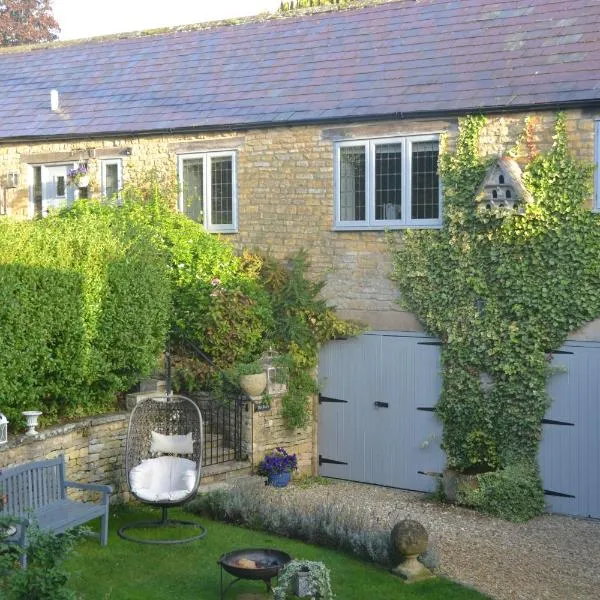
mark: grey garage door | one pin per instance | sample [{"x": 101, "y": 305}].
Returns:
[
  {"x": 570, "y": 448},
  {"x": 376, "y": 423}
]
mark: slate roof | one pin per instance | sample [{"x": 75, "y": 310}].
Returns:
[{"x": 404, "y": 58}]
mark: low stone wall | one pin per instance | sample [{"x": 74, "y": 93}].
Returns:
[{"x": 94, "y": 450}]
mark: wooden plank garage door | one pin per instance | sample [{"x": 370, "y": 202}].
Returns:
[
  {"x": 376, "y": 422},
  {"x": 570, "y": 448}
]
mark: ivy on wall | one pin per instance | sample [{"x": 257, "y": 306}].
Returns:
[{"x": 502, "y": 289}]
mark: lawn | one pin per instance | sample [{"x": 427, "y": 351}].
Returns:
[{"x": 128, "y": 571}]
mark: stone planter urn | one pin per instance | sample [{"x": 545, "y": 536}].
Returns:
[
  {"x": 453, "y": 482},
  {"x": 32, "y": 417},
  {"x": 409, "y": 539},
  {"x": 254, "y": 385}
]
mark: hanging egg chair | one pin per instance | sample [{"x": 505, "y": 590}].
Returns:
[{"x": 163, "y": 461}]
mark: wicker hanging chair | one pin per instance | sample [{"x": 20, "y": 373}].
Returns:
[{"x": 163, "y": 461}]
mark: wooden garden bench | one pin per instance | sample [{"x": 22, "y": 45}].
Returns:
[{"x": 37, "y": 491}]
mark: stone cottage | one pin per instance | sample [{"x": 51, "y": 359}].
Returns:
[{"x": 316, "y": 129}]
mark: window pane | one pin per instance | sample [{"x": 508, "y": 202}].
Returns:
[
  {"x": 192, "y": 186},
  {"x": 111, "y": 180},
  {"x": 425, "y": 191},
  {"x": 59, "y": 182},
  {"x": 221, "y": 190},
  {"x": 388, "y": 182},
  {"x": 37, "y": 191},
  {"x": 352, "y": 183}
]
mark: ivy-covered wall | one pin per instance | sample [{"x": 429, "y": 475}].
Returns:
[{"x": 502, "y": 289}]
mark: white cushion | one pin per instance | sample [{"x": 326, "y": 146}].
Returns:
[
  {"x": 172, "y": 444},
  {"x": 167, "y": 478}
]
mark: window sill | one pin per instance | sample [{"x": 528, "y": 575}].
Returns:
[
  {"x": 223, "y": 231},
  {"x": 341, "y": 228}
]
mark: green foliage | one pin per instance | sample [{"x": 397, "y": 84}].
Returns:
[
  {"x": 302, "y": 322},
  {"x": 83, "y": 311},
  {"x": 502, "y": 289},
  {"x": 318, "y": 575},
  {"x": 512, "y": 493},
  {"x": 45, "y": 577},
  {"x": 218, "y": 302}
]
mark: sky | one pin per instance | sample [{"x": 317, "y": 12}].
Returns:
[{"x": 87, "y": 19}]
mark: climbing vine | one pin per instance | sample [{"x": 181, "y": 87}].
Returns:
[{"x": 502, "y": 289}]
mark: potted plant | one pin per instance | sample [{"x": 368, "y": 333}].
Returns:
[
  {"x": 277, "y": 467},
  {"x": 305, "y": 579},
  {"x": 252, "y": 378},
  {"x": 79, "y": 176}
]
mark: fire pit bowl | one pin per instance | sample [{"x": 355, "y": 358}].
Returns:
[{"x": 253, "y": 563}]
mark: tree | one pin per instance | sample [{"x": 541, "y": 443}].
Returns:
[{"x": 27, "y": 22}]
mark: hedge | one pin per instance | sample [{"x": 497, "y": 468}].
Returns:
[{"x": 83, "y": 312}]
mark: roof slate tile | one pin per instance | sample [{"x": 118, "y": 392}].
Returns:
[{"x": 396, "y": 58}]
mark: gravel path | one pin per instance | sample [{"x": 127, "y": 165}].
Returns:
[{"x": 551, "y": 557}]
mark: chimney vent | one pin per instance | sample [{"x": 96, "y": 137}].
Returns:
[{"x": 54, "y": 100}]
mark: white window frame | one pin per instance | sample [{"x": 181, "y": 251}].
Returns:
[
  {"x": 370, "y": 223},
  {"x": 105, "y": 163},
  {"x": 207, "y": 186}
]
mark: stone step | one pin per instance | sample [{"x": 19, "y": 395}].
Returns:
[{"x": 224, "y": 473}]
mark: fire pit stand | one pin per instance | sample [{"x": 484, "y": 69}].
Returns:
[{"x": 268, "y": 563}]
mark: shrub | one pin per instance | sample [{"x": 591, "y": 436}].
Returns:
[
  {"x": 218, "y": 303},
  {"x": 325, "y": 525},
  {"x": 83, "y": 311},
  {"x": 44, "y": 578},
  {"x": 513, "y": 493}
]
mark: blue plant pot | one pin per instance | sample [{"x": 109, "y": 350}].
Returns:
[{"x": 279, "y": 480}]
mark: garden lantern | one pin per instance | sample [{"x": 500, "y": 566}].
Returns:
[{"x": 3, "y": 429}]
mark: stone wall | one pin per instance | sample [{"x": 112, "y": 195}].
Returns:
[
  {"x": 285, "y": 191},
  {"x": 94, "y": 450},
  {"x": 263, "y": 431}
]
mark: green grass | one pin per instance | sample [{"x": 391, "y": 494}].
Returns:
[{"x": 127, "y": 571}]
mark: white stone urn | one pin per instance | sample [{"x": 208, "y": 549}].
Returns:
[
  {"x": 254, "y": 385},
  {"x": 32, "y": 417},
  {"x": 84, "y": 181}
]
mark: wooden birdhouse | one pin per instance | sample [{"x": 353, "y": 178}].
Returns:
[{"x": 503, "y": 187}]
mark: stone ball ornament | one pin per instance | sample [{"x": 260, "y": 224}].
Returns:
[{"x": 409, "y": 540}]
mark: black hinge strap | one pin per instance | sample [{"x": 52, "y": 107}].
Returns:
[
  {"x": 326, "y": 399},
  {"x": 427, "y": 408},
  {"x": 429, "y": 343},
  {"x": 330, "y": 461},
  {"x": 559, "y": 494},
  {"x": 552, "y": 422}
]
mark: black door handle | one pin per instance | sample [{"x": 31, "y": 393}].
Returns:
[{"x": 381, "y": 404}]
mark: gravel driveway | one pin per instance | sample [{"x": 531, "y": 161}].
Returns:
[{"x": 551, "y": 557}]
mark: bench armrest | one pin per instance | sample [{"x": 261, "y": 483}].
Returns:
[{"x": 95, "y": 487}]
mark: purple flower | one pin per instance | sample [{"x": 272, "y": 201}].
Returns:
[{"x": 277, "y": 462}]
